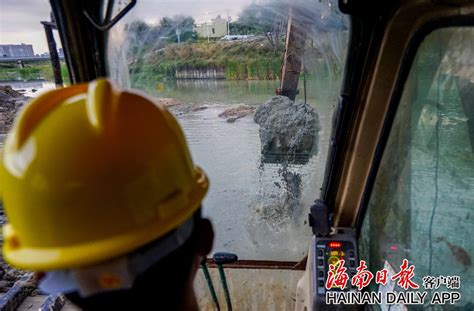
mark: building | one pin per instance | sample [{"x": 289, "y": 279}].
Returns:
[
  {"x": 16, "y": 50},
  {"x": 215, "y": 28}
]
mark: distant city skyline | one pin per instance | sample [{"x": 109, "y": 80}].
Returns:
[{"x": 20, "y": 19}]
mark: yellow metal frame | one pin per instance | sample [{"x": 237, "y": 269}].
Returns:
[{"x": 376, "y": 93}]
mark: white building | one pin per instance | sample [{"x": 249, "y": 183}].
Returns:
[
  {"x": 16, "y": 50},
  {"x": 215, "y": 28}
]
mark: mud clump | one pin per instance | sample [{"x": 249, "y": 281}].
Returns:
[
  {"x": 233, "y": 114},
  {"x": 169, "y": 102},
  {"x": 292, "y": 185},
  {"x": 289, "y": 134},
  {"x": 10, "y": 103},
  {"x": 179, "y": 108},
  {"x": 289, "y": 131}
]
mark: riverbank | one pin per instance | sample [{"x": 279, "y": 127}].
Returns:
[
  {"x": 10, "y": 103},
  {"x": 39, "y": 71},
  {"x": 249, "y": 60}
]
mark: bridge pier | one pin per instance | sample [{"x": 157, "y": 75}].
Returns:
[{"x": 53, "y": 53}]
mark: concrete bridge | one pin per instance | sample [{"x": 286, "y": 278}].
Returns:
[{"x": 26, "y": 59}]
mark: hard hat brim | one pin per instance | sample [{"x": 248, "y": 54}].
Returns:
[{"x": 66, "y": 257}]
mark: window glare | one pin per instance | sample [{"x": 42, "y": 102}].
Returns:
[
  {"x": 213, "y": 64},
  {"x": 423, "y": 198}
]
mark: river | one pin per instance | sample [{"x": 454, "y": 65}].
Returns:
[{"x": 245, "y": 200}]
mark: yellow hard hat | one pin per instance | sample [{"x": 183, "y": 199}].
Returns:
[{"x": 89, "y": 173}]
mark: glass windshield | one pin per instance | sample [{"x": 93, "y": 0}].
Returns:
[
  {"x": 423, "y": 200},
  {"x": 218, "y": 65}
]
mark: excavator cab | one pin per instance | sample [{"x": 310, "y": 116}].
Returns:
[{"x": 338, "y": 137}]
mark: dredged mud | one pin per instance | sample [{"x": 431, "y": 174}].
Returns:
[{"x": 289, "y": 135}]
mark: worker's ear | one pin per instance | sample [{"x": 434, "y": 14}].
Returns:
[{"x": 205, "y": 238}]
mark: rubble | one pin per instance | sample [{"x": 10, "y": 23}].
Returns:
[
  {"x": 8, "y": 274},
  {"x": 10, "y": 103}
]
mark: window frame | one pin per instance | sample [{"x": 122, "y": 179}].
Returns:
[
  {"x": 380, "y": 39},
  {"x": 407, "y": 62}
]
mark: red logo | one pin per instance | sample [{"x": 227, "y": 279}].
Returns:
[
  {"x": 363, "y": 277},
  {"x": 405, "y": 275},
  {"x": 381, "y": 277},
  {"x": 337, "y": 276}
]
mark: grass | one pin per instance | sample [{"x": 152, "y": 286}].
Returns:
[
  {"x": 31, "y": 71},
  {"x": 252, "y": 60}
]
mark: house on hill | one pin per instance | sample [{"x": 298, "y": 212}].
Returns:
[{"x": 215, "y": 28}]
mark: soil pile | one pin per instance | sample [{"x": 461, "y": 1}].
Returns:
[{"x": 10, "y": 103}]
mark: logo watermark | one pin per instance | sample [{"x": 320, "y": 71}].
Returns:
[{"x": 395, "y": 288}]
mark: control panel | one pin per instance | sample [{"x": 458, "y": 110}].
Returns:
[{"x": 331, "y": 250}]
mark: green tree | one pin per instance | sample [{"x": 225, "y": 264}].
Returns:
[
  {"x": 182, "y": 29},
  {"x": 269, "y": 19},
  {"x": 144, "y": 37}
]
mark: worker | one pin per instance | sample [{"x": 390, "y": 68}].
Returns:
[{"x": 101, "y": 193}]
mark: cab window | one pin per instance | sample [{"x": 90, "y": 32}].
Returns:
[
  {"x": 213, "y": 64},
  {"x": 422, "y": 204}
]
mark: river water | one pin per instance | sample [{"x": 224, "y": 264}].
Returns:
[{"x": 246, "y": 201}]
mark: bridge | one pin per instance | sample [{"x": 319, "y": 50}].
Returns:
[
  {"x": 26, "y": 59},
  {"x": 53, "y": 56}
]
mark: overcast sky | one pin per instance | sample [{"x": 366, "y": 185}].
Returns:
[{"x": 20, "y": 19}]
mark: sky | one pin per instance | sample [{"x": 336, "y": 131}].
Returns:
[{"x": 20, "y": 19}]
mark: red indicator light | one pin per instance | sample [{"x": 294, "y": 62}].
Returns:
[
  {"x": 335, "y": 244},
  {"x": 394, "y": 247}
]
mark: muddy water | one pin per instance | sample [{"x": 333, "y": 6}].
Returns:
[
  {"x": 30, "y": 88},
  {"x": 248, "y": 200}
]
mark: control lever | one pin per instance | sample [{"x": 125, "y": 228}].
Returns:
[
  {"x": 320, "y": 219},
  {"x": 220, "y": 259},
  {"x": 210, "y": 284}
]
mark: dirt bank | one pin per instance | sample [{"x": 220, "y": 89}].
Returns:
[
  {"x": 234, "y": 113},
  {"x": 178, "y": 107},
  {"x": 10, "y": 103}
]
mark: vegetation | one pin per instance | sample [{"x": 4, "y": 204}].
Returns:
[
  {"x": 157, "y": 51},
  {"x": 243, "y": 60},
  {"x": 31, "y": 71},
  {"x": 268, "y": 19},
  {"x": 143, "y": 36}
]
